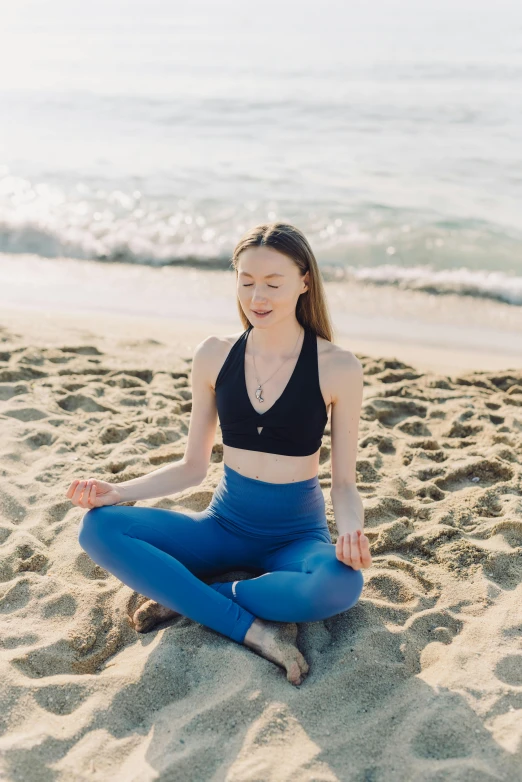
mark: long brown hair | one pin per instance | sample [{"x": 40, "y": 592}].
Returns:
[{"x": 312, "y": 307}]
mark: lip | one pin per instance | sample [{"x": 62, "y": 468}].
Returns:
[{"x": 261, "y": 312}]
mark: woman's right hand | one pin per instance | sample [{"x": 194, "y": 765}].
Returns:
[{"x": 93, "y": 493}]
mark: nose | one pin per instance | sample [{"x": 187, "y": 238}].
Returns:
[{"x": 257, "y": 297}]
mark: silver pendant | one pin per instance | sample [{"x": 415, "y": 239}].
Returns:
[{"x": 258, "y": 395}]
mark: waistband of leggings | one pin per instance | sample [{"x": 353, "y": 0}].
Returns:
[{"x": 280, "y": 510}]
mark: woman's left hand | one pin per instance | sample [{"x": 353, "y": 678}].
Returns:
[{"x": 353, "y": 548}]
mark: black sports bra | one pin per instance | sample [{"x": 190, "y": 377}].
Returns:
[{"x": 295, "y": 423}]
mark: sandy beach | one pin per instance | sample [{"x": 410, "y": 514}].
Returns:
[
  {"x": 145, "y": 142},
  {"x": 421, "y": 680}
]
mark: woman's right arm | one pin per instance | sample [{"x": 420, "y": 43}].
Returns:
[{"x": 172, "y": 478}]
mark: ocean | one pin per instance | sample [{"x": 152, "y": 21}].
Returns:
[{"x": 158, "y": 133}]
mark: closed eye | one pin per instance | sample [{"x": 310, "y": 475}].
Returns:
[{"x": 251, "y": 283}]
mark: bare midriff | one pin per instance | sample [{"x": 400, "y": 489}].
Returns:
[{"x": 271, "y": 467}]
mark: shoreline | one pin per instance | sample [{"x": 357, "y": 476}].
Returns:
[
  {"x": 182, "y": 335},
  {"x": 181, "y": 305}
]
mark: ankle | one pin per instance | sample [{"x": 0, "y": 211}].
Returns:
[{"x": 254, "y": 634}]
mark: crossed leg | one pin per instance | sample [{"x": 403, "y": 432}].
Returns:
[
  {"x": 160, "y": 553},
  {"x": 164, "y": 554},
  {"x": 304, "y": 582}
]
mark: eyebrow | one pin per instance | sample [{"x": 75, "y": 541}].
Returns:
[{"x": 275, "y": 274}]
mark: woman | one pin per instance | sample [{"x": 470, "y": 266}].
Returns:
[{"x": 271, "y": 386}]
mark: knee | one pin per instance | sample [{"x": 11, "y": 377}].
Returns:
[
  {"x": 344, "y": 588},
  {"x": 94, "y": 525},
  {"x": 354, "y": 582}
]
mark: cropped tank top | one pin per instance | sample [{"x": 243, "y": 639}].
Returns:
[{"x": 293, "y": 426}]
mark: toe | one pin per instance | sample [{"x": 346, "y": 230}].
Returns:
[
  {"x": 143, "y": 620},
  {"x": 293, "y": 673},
  {"x": 143, "y": 627}
]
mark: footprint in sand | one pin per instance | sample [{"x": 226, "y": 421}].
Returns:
[
  {"x": 509, "y": 670},
  {"x": 58, "y": 699},
  {"x": 424, "y": 628},
  {"x": 14, "y": 641},
  {"x": 384, "y": 443},
  {"x": 385, "y": 509},
  {"x": 391, "y": 412},
  {"x": 488, "y": 472},
  {"x": 428, "y": 449},
  {"x": 415, "y": 427},
  {"x": 440, "y": 738}
]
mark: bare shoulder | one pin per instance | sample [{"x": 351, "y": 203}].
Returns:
[
  {"x": 229, "y": 339},
  {"x": 213, "y": 351},
  {"x": 338, "y": 366}
]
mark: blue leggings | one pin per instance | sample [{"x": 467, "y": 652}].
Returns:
[{"x": 276, "y": 530}]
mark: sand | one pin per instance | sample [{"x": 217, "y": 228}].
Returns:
[{"x": 421, "y": 680}]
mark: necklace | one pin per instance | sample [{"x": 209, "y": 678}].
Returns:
[{"x": 259, "y": 389}]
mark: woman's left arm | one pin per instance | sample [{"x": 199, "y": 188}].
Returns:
[{"x": 352, "y": 546}]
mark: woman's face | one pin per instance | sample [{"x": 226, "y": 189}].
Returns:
[{"x": 268, "y": 280}]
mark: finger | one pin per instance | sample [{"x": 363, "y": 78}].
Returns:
[
  {"x": 87, "y": 494},
  {"x": 347, "y": 553},
  {"x": 72, "y": 487},
  {"x": 339, "y": 547},
  {"x": 85, "y": 497},
  {"x": 356, "y": 554},
  {"x": 92, "y": 495},
  {"x": 84, "y": 490},
  {"x": 365, "y": 551},
  {"x": 78, "y": 492}
]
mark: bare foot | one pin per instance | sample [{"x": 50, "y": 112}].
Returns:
[
  {"x": 150, "y": 614},
  {"x": 276, "y": 642}
]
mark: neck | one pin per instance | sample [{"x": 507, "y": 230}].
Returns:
[{"x": 278, "y": 340}]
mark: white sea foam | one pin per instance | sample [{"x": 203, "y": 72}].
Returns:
[
  {"x": 169, "y": 238},
  {"x": 463, "y": 282}
]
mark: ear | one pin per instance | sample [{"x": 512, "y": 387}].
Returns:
[{"x": 306, "y": 280}]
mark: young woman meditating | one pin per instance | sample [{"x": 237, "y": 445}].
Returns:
[{"x": 271, "y": 386}]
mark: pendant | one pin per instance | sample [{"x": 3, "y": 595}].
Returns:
[{"x": 258, "y": 395}]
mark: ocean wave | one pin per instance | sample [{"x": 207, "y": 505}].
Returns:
[
  {"x": 173, "y": 241},
  {"x": 461, "y": 282}
]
